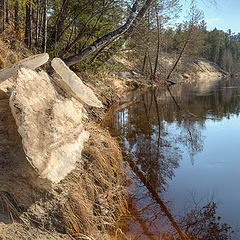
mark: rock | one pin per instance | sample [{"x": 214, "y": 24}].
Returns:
[
  {"x": 34, "y": 61},
  {"x": 8, "y": 72},
  {"x": 49, "y": 124},
  {"x": 126, "y": 74},
  {"x": 137, "y": 75},
  {"x": 31, "y": 62},
  {"x": 73, "y": 85},
  {"x": 185, "y": 75}
]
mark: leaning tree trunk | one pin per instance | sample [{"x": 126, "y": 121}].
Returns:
[
  {"x": 132, "y": 20},
  {"x": 180, "y": 55}
]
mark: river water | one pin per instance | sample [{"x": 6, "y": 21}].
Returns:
[{"x": 185, "y": 142}]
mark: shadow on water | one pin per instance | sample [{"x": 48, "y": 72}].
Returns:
[{"x": 156, "y": 133}]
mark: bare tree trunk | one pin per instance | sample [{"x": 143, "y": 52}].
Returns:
[
  {"x": 100, "y": 51},
  {"x": 37, "y": 21},
  {"x": 7, "y": 12},
  {"x": 16, "y": 16},
  {"x": 70, "y": 37},
  {"x": 150, "y": 66},
  {"x": 75, "y": 34},
  {"x": 28, "y": 25},
  {"x": 60, "y": 34},
  {"x": 180, "y": 55},
  {"x": 139, "y": 17},
  {"x": 40, "y": 24},
  {"x": 80, "y": 34},
  {"x": 2, "y": 15},
  {"x": 58, "y": 27},
  {"x": 158, "y": 45},
  {"x": 144, "y": 62},
  {"x": 133, "y": 19},
  {"x": 44, "y": 42},
  {"x": 72, "y": 21}
]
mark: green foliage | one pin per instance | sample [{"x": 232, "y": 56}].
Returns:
[
  {"x": 223, "y": 48},
  {"x": 74, "y": 25}
]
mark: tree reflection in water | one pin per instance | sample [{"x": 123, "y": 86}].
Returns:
[
  {"x": 204, "y": 224},
  {"x": 147, "y": 140},
  {"x": 153, "y": 133}
]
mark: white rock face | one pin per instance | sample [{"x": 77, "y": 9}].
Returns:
[
  {"x": 73, "y": 85},
  {"x": 32, "y": 62},
  {"x": 8, "y": 72},
  {"x": 49, "y": 124}
]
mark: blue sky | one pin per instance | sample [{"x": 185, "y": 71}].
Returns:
[{"x": 224, "y": 15}]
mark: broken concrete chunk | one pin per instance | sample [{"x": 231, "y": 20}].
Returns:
[
  {"x": 73, "y": 85},
  {"x": 50, "y": 125},
  {"x": 32, "y": 62}
]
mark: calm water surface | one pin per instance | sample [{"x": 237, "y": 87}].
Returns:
[{"x": 186, "y": 142}]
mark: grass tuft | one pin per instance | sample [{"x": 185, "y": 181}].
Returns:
[{"x": 97, "y": 198}]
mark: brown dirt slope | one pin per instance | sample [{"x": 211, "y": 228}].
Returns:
[{"x": 85, "y": 205}]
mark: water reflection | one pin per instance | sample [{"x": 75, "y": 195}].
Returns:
[{"x": 156, "y": 133}]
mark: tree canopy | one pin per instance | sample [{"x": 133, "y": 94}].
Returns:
[{"x": 73, "y": 30}]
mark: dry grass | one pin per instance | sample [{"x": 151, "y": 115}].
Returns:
[
  {"x": 86, "y": 205},
  {"x": 9, "y": 205},
  {"x": 18, "y": 231},
  {"x": 91, "y": 199},
  {"x": 96, "y": 199},
  {"x": 11, "y": 48}
]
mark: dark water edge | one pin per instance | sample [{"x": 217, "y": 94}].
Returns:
[{"x": 185, "y": 141}]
